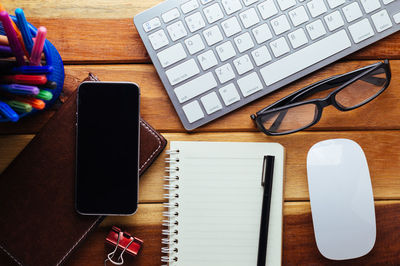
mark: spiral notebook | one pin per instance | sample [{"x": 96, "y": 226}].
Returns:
[{"x": 215, "y": 199}]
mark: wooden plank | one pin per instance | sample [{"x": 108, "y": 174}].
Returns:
[
  {"x": 10, "y": 147},
  {"x": 382, "y": 149}
]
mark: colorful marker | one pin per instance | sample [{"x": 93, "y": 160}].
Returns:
[
  {"x": 24, "y": 28},
  {"x": 12, "y": 38},
  {"x": 44, "y": 95},
  {"x": 35, "y": 103},
  {"x": 20, "y": 89},
  {"x": 36, "y": 54},
  {"x": 8, "y": 112},
  {"x": 6, "y": 50},
  {"x": 32, "y": 70},
  {"x": 20, "y": 107},
  {"x": 24, "y": 79},
  {"x": 3, "y": 40}
]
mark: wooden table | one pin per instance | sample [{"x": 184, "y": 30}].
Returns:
[{"x": 99, "y": 36}]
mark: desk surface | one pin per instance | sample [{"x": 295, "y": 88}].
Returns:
[{"x": 99, "y": 36}]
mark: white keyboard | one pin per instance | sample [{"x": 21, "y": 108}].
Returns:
[{"x": 214, "y": 56}]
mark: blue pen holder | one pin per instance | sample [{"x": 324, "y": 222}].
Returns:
[{"x": 53, "y": 59}]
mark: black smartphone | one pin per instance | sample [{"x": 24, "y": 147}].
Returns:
[{"x": 107, "y": 148}]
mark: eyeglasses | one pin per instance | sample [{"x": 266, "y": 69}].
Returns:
[{"x": 293, "y": 113}]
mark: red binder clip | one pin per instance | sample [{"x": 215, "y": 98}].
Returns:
[{"x": 125, "y": 242}]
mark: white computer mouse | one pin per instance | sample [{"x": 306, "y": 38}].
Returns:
[{"x": 342, "y": 203}]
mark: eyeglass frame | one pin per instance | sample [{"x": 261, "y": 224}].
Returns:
[{"x": 321, "y": 103}]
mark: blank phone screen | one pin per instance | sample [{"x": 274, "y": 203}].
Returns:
[{"x": 107, "y": 148}]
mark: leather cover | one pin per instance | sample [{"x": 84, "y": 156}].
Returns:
[{"x": 38, "y": 221}]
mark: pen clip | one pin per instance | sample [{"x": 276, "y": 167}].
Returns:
[{"x": 268, "y": 168}]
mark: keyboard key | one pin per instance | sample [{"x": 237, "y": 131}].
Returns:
[
  {"x": 194, "y": 44},
  {"x": 244, "y": 42},
  {"x": 211, "y": 103},
  {"x": 152, "y": 24},
  {"x": 195, "y": 22},
  {"x": 195, "y": 87},
  {"x": 213, "y": 13},
  {"x": 250, "y": 84},
  {"x": 225, "y": 73},
  {"x": 205, "y": 1},
  {"x": 189, "y": 6},
  {"x": 170, "y": 15},
  {"x": 381, "y": 20},
  {"x": 370, "y": 5},
  {"x": 243, "y": 64},
  {"x": 231, "y": 26},
  {"x": 225, "y": 51},
  {"x": 262, "y": 33},
  {"x": 249, "y": 2},
  {"x": 305, "y": 57},
  {"x": 171, "y": 55},
  {"x": 231, "y": 6},
  {"x": 158, "y": 39},
  {"x": 316, "y": 7},
  {"x": 182, "y": 72},
  {"x": 207, "y": 60},
  {"x": 334, "y": 20},
  {"x": 229, "y": 94},
  {"x": 193, "y": 111},
  {"x": 298, "y": 16},
  {"x": 280, "y": 24},
  {"x": 386, "y": 2},
  {"x": 335, "y": 3},
  {"x": 285, "y": 4},
  {"x": 176, "y": 31},
  {"x": 361, "y": 30},
  {"x": 249, "y": 18},
  {"x": 261, "y": 55},
  {"x": 396, "y": 18},
  {"x": 267, "y": 9},
  {"x": 212, "y": 35},
  {"x": 279, "y": 47},
  {"x": 352, "y": 12},
  {"x": 316, "y": 29},
  {"x": 297, "y": 38}
]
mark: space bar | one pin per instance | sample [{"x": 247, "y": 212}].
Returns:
[{"x": 306, "y": 57}]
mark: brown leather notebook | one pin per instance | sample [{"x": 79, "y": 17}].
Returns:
[{"x": 38, "y": 221}]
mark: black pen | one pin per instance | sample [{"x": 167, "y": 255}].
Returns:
[{"x": 266, "y": 182}]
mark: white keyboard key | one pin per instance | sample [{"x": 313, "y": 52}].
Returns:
[
  {"x": 267, "y": 9},
  {"x": 280, "y": 24},
  {"x": 207, "y": 60},
  {"x": 229, "y": 94},
  {"x": 243, "y": 64},
  {"x": 193, "y": 111},
  {"x": 177, "y": 30},
  {"x": 244, "y": 42},
  {"x": 261, "y": 55},
  {"x": 396, "y": 18},
  {"x": 334, "y": 20},
  {"x": 171, "y": 55},
  {"x": 316, "y": 7},
  {"x": 298, "y": 16},
  {"x": 297, "y": 38},
  {"x": 279, "y": 47},
  {"x": 285, "y": 4},
  {"x": 381, "y": 20},
  {"x": 249, "y": 18},
  {"x": 249, "y": 84},
  {"x": 370, "y": 5},
  {"x": 316, "y": 29},
  {"x": 206, "y": 1},
  {"x": 305, "y": 57},
  {"x": 249, "y": 2},
  {"x": 151, "y": 24},
  {"x": 212, "y": 35},
  {"x": 189, "y": 6},
  {"x": 158, "y": 39},
  {"x": 225, "y": 73},
  {"x": 182, "y": 72},
  {"x": 225, "y": 51},
  {"x": 231, "y": 6},
  {"x": 211, "y": 103},
  {"x": 335, "y": 3},
  {"x": 352, "y": 12},
  {"x": 170, "y": 15},
  {"x": 213, "y": 13},
  {"x": 262, "y": 33},
  {"x": 195, "y": 22},
  {"x": 231, "y": 26},
  {"x": 361, "y": 30},
  {"x": 194, "y": 44},
  {"x": 195, "y": 87},
  {"x": 386, "y": 2}
]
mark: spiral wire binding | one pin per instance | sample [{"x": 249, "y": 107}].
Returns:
[{"x": 171, "y": 213}]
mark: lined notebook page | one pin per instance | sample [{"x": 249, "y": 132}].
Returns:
[{"x": 220, "y": 200}]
